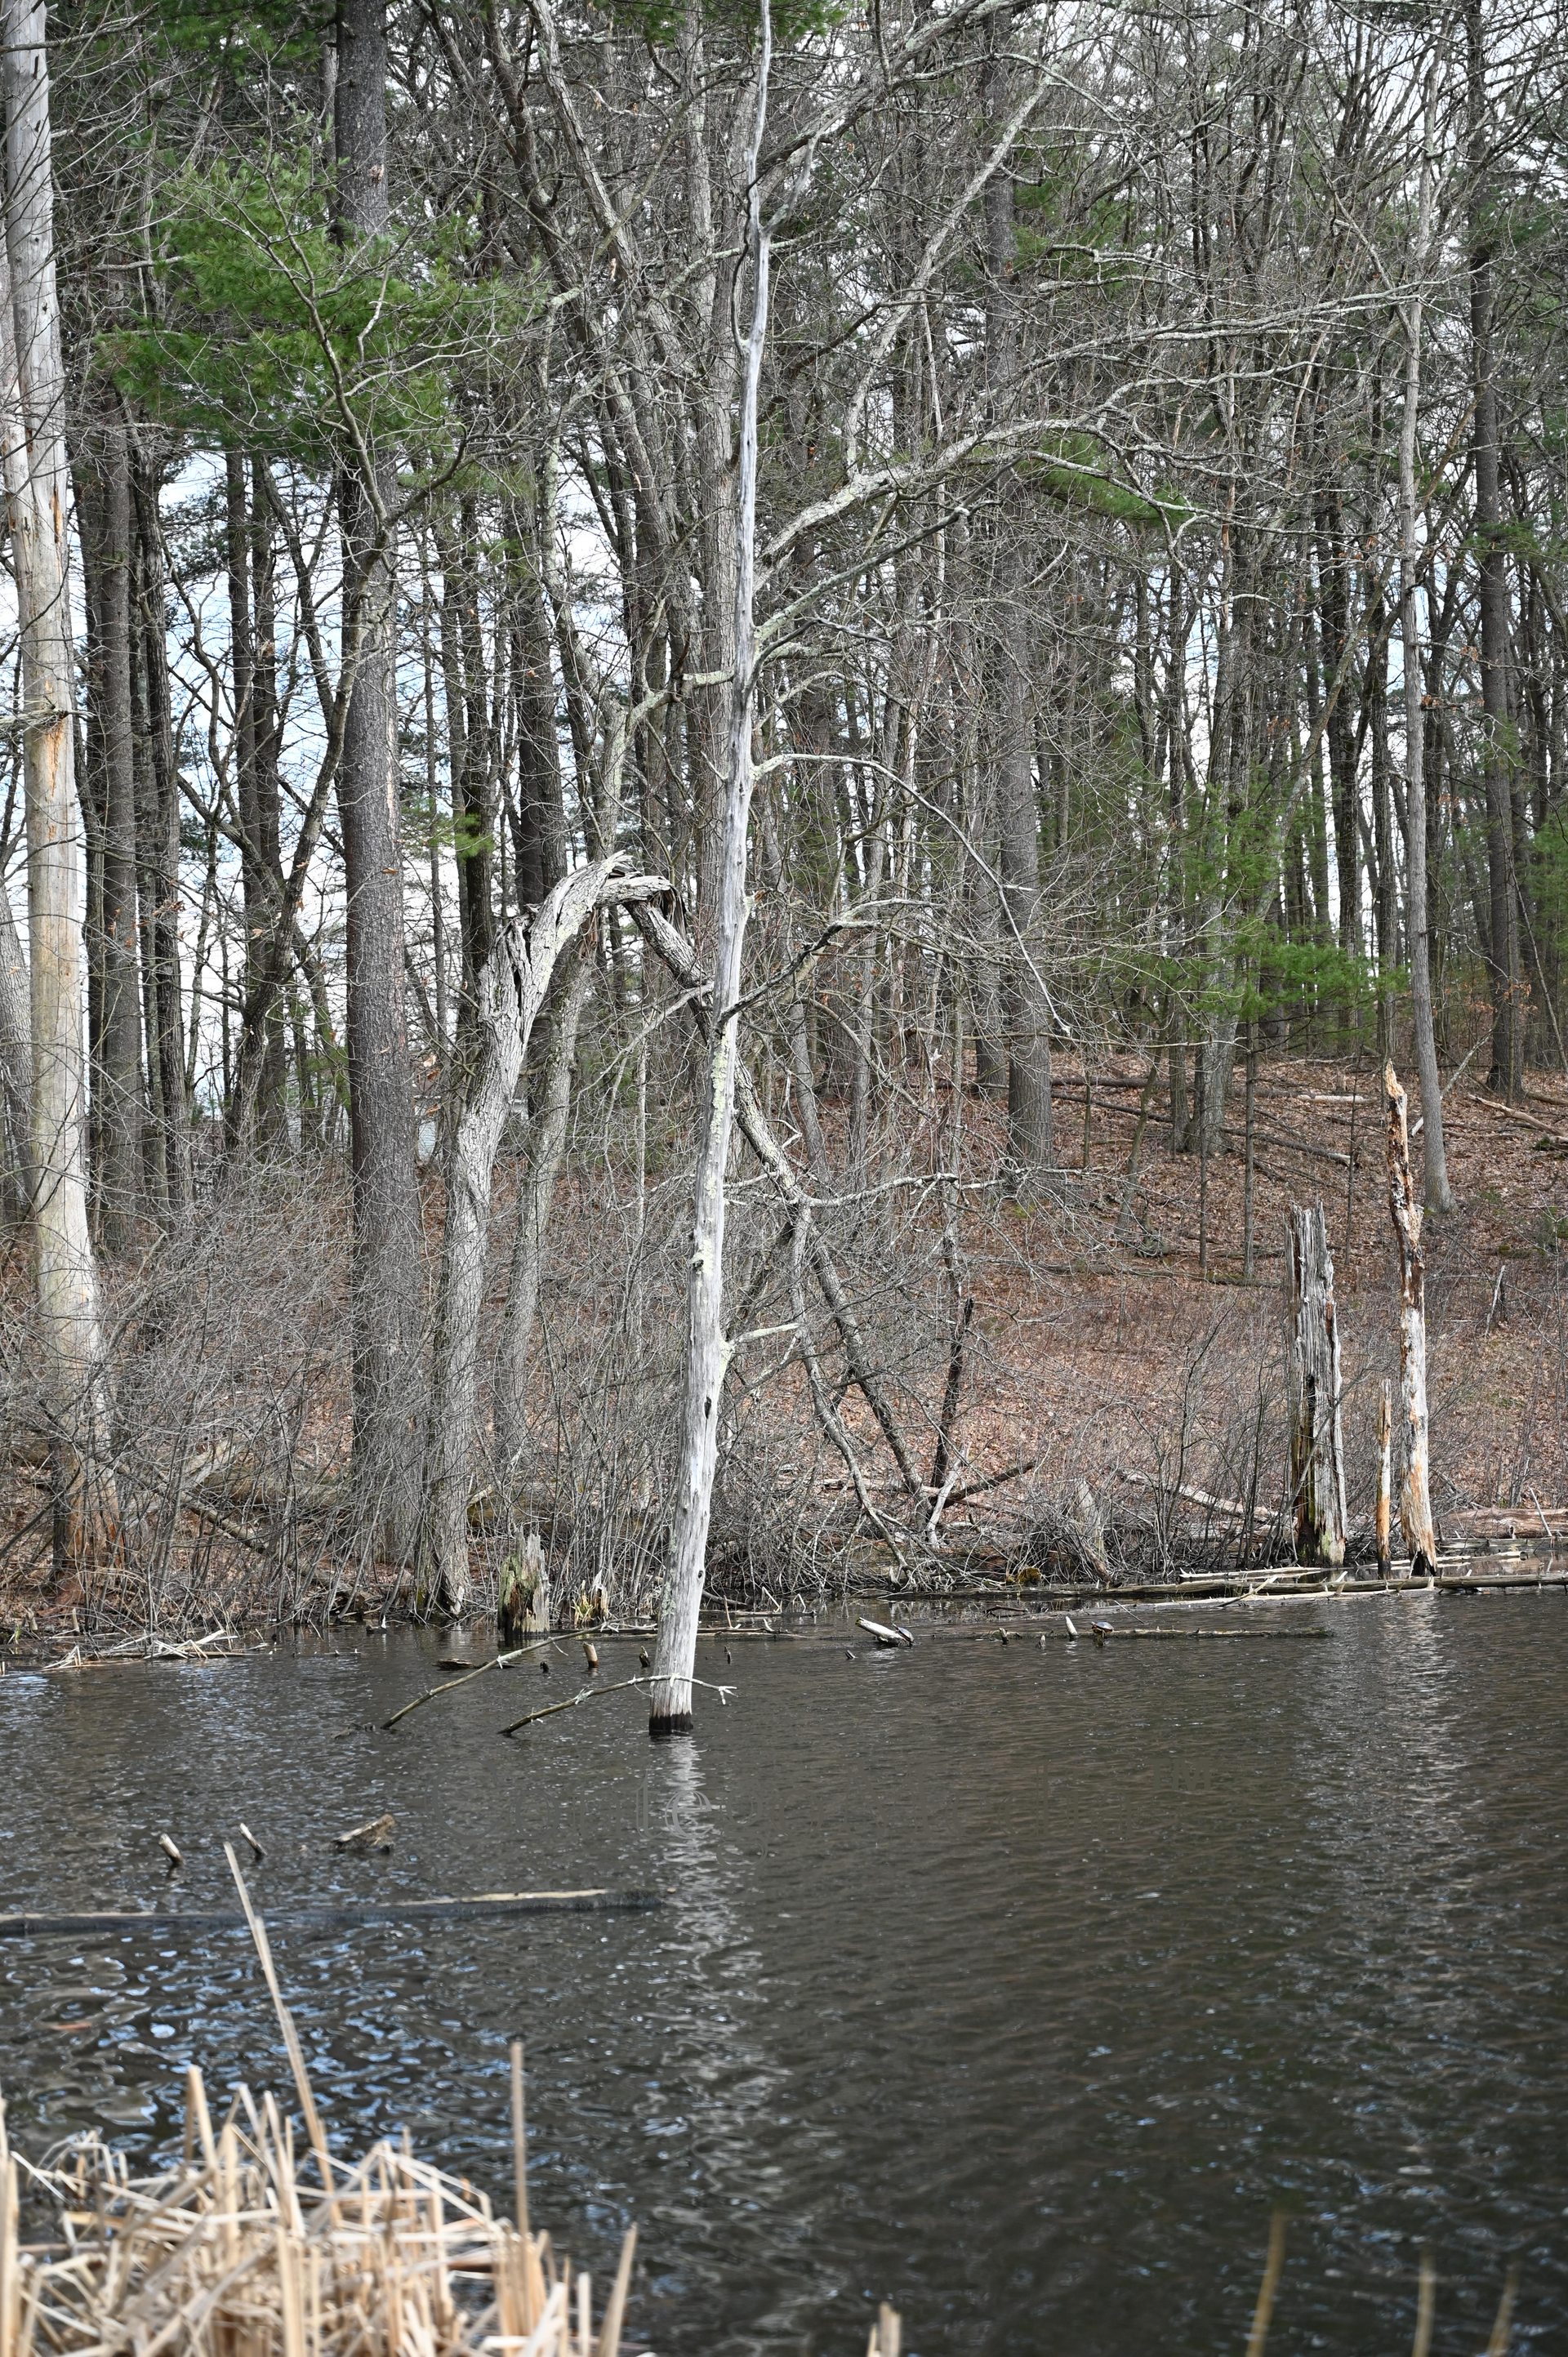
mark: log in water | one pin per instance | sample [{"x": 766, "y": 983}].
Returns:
[{"x": 321, "y": 1919}]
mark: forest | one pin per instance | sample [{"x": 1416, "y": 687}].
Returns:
[{"x": 736, "y": 736}]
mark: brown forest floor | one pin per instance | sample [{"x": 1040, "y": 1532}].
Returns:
[
  {"x": 1088, "y": 1355},
  {"x": 1091, "y": 1359}
]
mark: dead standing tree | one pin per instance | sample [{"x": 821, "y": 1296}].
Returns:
[
  {"x": 513, "y": 985},
  {"x": 1317, "y": 1437},
  {"x": 1415, "y": 1490},
  {"x": 707, "y": 1346}
]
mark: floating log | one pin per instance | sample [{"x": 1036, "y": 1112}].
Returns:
[
  {"x": 883, "y": 1634},
  {"x": 376, "y": 1835},
  {"x": 163, "y": 1920},
  {"x": 1104, "y": 1634},
  {"x": 170, "y": 1852}
]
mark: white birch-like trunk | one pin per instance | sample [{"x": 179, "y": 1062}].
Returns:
[
  {"x": 1415, "y": 1487},
  {"x": 32, "y": 442},
  {"x": 707, "y": 1346},
  {"x": 512, "y": 988},
  {"x": 535, "y": 1194},
  {"x": 1439, "y": 1196},
  {"x": 16, "y": 1059}
]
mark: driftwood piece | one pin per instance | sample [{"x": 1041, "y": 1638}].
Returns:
[
  {"x": 884, "y": 1635},
  {"x": 372, "y": 1836},
  {"x": 1415, "y": 1491},
  {"x": 1317, "y": 1433}
]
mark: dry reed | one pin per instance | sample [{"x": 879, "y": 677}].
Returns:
[{"x": 233, "y": 2253}]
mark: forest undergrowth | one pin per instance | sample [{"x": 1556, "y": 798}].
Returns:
[{"x": 1090, "y": 1384}]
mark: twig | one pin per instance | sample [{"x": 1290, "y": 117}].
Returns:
[{"x": 590, "y": 1693}]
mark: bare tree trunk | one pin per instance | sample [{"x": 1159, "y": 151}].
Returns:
[
  {"x": 1439, "y": 1196},
  {"x": 511, "y": 988},
  {"x": 1382, "y": 1510},
  {"x": 155, "y": 1157},
  {"x": 707, "y": 1346},
  {"x": 16, "y": 1063},
  {"x": 1415, "y": 1492},
  {"x": 32, "y": 434},
  {"x": 536, "y": 1194},
  {"x": 1506, "y": 1075},
  {"x": 162, "y": 851},
  {"x": 1025, "y": 1015},
  {"x": 117, "y": 1079},
  {"x": 795, "y": 1025},
  {"x": 684, "y": 965},
  {"x": 386, "y": 1280},
  {"x": 1317, "y": 1436},
  {"x": 271, "y": 1117},
  {"x": 242, "y": 685}
]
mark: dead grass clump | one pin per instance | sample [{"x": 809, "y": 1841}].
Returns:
[{"x": 231, "y": 2255}]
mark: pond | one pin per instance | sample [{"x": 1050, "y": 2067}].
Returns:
[{"x": 1013, "y": 1984}]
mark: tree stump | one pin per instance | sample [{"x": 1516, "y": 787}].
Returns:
[
  {"x": 1415, "y": 1490},
  {"x": 523, "y": 1592},
  {"x": 1317, "y": 1436}
]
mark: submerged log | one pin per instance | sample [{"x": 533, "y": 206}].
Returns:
[
  {"x": 1316, "y": 1435},
  {"x": 1415, "y": 1491},
  {"x": 163, "y": 1920}
]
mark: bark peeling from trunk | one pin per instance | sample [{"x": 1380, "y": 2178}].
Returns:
[
  {"x": 1415, "y": 1489},
  {"x": 1316, "y": 1435},
  {"x": 707, "y": 1345}
]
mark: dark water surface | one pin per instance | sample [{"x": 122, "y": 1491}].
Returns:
[{"x": 1014, "y": 1984}]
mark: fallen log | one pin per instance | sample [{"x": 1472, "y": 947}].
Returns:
[
  {"x": 1525, "y": 1120},
  {"x": 163, "y": 1920},
  {"x": 1228, "y": 1506},
  {"x": 1104, "y": 1633}
]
